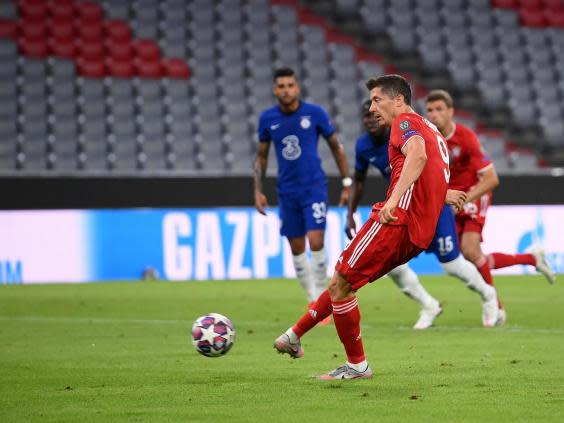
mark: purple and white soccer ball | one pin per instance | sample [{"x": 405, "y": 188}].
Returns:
[{"x": 213, "y": 335}]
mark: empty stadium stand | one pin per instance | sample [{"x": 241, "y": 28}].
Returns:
[{"x": 176, "y": 86}]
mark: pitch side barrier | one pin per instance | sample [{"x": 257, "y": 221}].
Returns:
[
  {"x": 227, "y": 243},
  {"x": 65, "y": 192}
]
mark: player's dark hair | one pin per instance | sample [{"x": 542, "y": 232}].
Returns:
[
  {"x": 392, "y": 85},
  {"x": 285, "y": 71},
  {"x": 440, "y": 95},
  {"x": 365, "y": 106}
]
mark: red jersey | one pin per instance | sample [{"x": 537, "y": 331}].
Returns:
[
  {"x": 467, "y": 159},
  {"x": 419, "y": 208}
]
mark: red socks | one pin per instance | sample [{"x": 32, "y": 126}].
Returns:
[
  {"x": 316, "y": 313},
  {"x": 347, "y": 321},
  {"x": 483, "y": 267},
  {"x": 499, "y": 260}
]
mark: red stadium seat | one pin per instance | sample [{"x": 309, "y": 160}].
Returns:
[
  {"x": 62, "y": 9},
  {"x": 61, "y": 28},
  {"x": 119, "y": 50},
  {"x": 90, "y": 30},
  {"x": 505, "y": 4},
  {"x": 33, "y": 48},
  {"x": 93, "y": 68},
  {"x": 532, "y": 18},
  {"x": 33, "y": 29},
  {"x": 8, "y": 29},
  {"x": 120, "y": 68},
  {"x": 175, "y": 68},
  {"x": 118, "y": 31},
  {"x": 62, "y": 47},
  {"x": 553, "y": 4},
  {"x": 146, "y": 49},
  {"x": 530, "y": 4},
  {"x": 148, "y": 68},
  {"x": 33, "y": 8},
  {"x": 89, "y": 11},
  {"x": 554, "y": 17},
  {"x": 91, "y": 50}
]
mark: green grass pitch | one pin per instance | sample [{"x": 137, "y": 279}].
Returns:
[{"x": 120, "y": 352}]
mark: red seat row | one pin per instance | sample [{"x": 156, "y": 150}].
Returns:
[
  {"x": 536, "y": 13},
  {"x": 98, "y": 68},
  {"x": 78, "y": 31},
  {"x": 41, "y": 9}
]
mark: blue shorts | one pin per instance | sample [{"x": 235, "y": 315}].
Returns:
[
  {"x": 303, "y": 211},
  {"x": 445, "y": 243}
]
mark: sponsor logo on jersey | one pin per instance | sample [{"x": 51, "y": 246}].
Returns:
[
  {"x": 292, "y": 149},
  {"x": 404, "y": 125},
  {"x": 409, "y": 134},
  {"x": 305, "y": 122}
]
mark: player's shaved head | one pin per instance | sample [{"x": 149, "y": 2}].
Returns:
[
  {"x": 391, "y": 85},
  {"x": 440, "y": 95}
]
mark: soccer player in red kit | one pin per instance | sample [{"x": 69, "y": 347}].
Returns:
[
  {"x": 397, "y": 230},
  {"x": 473, "y": 172}
]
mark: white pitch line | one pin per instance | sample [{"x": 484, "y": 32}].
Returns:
[{"x": 110, "y": 320}]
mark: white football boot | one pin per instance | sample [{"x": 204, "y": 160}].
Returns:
[
  {"x": 427, "y": 315},
  {"x": 501, "y": 317},
  {"x": 347, "y": 372},
  {"x": 489, "y": 308},
  {"x": 284, "y": 346},
  {"x": 543, "y": 267}
]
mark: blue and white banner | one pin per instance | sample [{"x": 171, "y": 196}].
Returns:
[{"x": 220, "y": 243}]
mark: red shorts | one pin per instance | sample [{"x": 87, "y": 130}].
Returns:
[
  {"x": 468, "y": 224},
  {"x": 473, "y": 217},
  {"x": 375, "y": 250}
]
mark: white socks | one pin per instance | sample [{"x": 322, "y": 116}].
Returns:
[
  {"x": 319, "y": 268},
  {"x": 467, "y": 273},
  {"x": 303, "y": 272},
  {"x": 359, "y": 367},
  {"x": 312, "y": 278},
  {"x": 408, "y": 282},
  {"x": 292, "y": 335}
]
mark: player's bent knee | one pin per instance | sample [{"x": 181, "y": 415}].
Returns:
[{"x": 339, "y": 289}]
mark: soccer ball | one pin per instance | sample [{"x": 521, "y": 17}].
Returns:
[{"x": 213, "y": 335}]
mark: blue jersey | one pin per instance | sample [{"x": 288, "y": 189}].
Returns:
[
  {"x": 295, "y": 136},
  {"x": 368, "y": 153},
  {"x": 445, "y": 242}
]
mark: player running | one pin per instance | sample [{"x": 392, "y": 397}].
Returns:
[
  {"x": 397, "y": 230},
  {"x": 372, "y": 149},
  {"x": 294, "y": 127},
  {"x": 473, "y": 172}
]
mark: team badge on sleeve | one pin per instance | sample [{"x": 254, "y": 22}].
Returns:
[{"x": 404, "y": 125}]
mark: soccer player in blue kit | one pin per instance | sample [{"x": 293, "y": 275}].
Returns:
[
  {"x": 294, "y": 126},
  {"x": 372, "y": 149}
]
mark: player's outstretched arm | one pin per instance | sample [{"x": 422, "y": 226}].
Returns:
[
  {"x": 415, "y": 160},
  {"x": 341, "y": 160},
  {"x": 357, "y": 190},
  {"x": 261, "y": 162}
]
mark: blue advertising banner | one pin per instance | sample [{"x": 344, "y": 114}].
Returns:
[{"x": 216, "y": 243}]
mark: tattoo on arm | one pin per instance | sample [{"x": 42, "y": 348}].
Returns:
[{"x": 260, "y": 165}]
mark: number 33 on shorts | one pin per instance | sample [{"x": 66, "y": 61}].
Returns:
[{"x": 319, "y": 211}]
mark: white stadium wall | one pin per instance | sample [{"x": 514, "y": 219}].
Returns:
[{"x": 215, "y": 243}]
